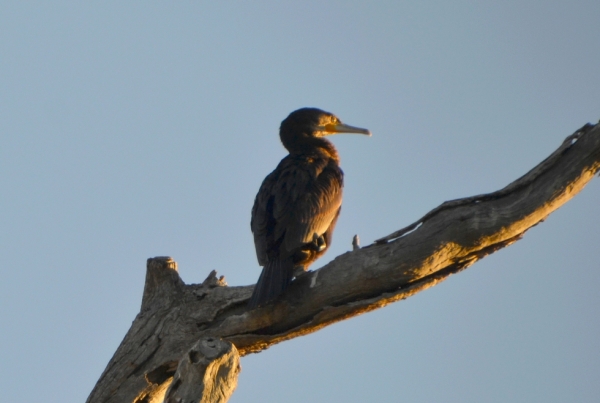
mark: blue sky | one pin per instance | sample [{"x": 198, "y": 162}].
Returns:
[{"x": 145, "y": 129}]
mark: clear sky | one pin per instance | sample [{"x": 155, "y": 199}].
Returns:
[{"x": 145, "y": 129}]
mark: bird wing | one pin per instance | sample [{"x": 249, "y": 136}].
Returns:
[{"x": 300, "y": 198}]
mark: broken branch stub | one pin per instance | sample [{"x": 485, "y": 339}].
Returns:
[{"x": 207, "y": 373}]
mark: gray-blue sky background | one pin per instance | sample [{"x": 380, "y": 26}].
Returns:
[{"x": 144, "y": 129}]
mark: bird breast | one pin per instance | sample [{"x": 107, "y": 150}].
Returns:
[{"x": 301, "y": 197}]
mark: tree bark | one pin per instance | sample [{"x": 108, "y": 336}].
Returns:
[
  {"x": 450, "y": 238},
  {"x": 206, "y": 374}
]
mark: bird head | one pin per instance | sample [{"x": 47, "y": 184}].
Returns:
[{"x": 313, "y": 122}]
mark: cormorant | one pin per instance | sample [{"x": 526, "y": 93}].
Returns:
[{"x": 298, "y": 204}]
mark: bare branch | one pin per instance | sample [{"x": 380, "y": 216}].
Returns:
[{"x": 445, "y": 241}]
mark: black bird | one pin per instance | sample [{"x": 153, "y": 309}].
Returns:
[{"x": 298, "y": 204}]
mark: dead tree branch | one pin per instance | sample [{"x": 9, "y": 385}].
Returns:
[
  {"x": 207, "y": 373},
  {"x": 450, "y": 238}
]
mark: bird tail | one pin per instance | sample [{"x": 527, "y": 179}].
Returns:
[{"x": 274, "y": 279}]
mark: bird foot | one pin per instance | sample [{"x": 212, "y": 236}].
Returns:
[{"x": 319, "y": 243}]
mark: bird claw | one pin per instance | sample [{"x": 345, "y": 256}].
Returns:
[{"x": 319, "y": 243}]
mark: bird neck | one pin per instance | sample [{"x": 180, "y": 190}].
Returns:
[{"x": 311, "y": 146}]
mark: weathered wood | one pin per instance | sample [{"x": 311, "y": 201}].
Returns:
[
  {"x": 445, "y": 241},
  {"x": 206, "y": 374}
]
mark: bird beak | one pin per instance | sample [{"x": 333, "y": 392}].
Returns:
[{"x": 342, "y": 128}]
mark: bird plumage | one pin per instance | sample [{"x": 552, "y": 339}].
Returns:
[{"x": 297, "y": 205}]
